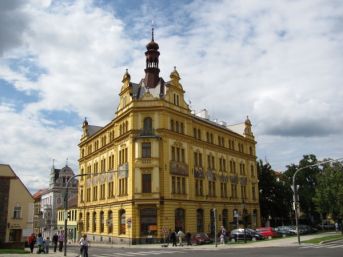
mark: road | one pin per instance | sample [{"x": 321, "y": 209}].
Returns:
[{"x": 334, "y": 249}]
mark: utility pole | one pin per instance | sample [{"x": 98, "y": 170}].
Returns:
[{"x": 215, "y": 226}]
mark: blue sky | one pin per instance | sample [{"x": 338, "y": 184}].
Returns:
[{"x": 280, "y": 62}]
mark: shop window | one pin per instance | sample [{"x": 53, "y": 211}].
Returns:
[
  {"x": 225, "y": 218},
  {"x": 94, "y": 222},
  {"x": 180, "y": 219},
  {"x": 122, "y": 221},
  {"x": 148, "y": 221},
  {"x": 200, "y": 220},
  {"x": 110, "y": 222},
  {"x": 102, "y": 222}
]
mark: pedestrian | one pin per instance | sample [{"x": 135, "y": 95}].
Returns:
[
  {"x": 55, "y": 241},
  {"x": 222, "y": 235},
  {"x": 40, "y": 243},
  {"x": 336, "y": 226},
  {"x": 84, "y": 243},
  {"x": 180, "y": 235},
  {"x": 60, "y": 241},
  {"x": 47, "y": 244},
  {"x": 188, "y": 238},
  {"x": 32, "y": 241},
  {"x": 173, "y": 238}
]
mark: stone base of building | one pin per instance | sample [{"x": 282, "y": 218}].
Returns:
[{"x": 121, "y": 240}]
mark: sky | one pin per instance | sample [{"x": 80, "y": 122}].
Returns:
[{"x": 279, "y": 62}]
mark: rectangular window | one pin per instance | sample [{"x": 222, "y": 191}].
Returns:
[
  {"x": 146, "y": 183},
  {"x": 110, "y": 190},
  {"x": 17, "y": 212},
  {"x": 173, "y": 153},
  {"x": 95, "y": 193},
  {"x": 253, "y": 192},
  {"x": 146, "y": 150},
  {"x": 173, "y": 185}
]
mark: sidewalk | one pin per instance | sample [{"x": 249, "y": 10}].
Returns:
[{"x": 282, "y": 242}]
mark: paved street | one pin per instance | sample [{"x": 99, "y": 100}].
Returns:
[{"x": 285, "y": 247}]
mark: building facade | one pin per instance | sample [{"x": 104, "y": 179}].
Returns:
[
  {"x": 38, "y": 221},
  {"x": 53, "y": 198},
  {"x": 158, "y": 166},
  {"x": 16, "y": 208}
]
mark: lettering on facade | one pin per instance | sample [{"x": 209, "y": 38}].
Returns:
[{"x": 178, "y": 168}]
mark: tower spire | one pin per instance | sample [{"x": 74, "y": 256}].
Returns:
[
  {"x": 152, "y": 71},
  {"x": 152, "y": 30}
]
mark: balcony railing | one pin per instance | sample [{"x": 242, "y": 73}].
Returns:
[{"x": 178, "y": 168}]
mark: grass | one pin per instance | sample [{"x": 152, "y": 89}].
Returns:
[
  {"x": 18, "y": 250},
  {"x": 321, "y": 239}
]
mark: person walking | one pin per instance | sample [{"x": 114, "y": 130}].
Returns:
[
  {"x": 40, "y": 243},
  {"x": 32, "y": 241},
  {"x": 173, "y": 238},
  {"x": 55, "y": 241},
  {"x": 188, "y": 238},
  {"x": 180, "y": 235},
  {"x": 47, "y": 244},
  {"x": 60, "y": 241},
  {"x": 84, "y": 243}
]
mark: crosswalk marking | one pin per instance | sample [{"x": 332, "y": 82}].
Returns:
[{"x": 327, "y": 246}]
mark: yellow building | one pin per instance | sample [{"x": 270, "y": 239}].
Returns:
[
  {"x": 73, "y": 233},
  {"x": 158, "y": 166},
  {"x": 16, "y": 208}
]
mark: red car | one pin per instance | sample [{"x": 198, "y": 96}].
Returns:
[
  {"x": 268, "y": 232},
  {"x": 201, "y": 238}
]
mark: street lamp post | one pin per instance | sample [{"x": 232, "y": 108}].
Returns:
[{"x": 295, "y": 191}]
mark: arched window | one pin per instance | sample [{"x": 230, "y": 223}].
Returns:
[
  {"x": 87, "y": 221},
  {"x": 110, "y": 222},
  {"x": 179, "y": 219},
  {"x": 102, "y": 222},
  {"x": 225, "y": 219},
  {"x": 122, "y": 220},
  {"x": 94, "y": 222},
  {"x": 147, "y": 124},
  {"x": 200, "y": 220}
]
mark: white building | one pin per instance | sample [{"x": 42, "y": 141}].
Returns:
[{"x": 53, "y": 198}]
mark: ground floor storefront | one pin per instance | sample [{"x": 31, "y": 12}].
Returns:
[{"x": 149, "y": 222}]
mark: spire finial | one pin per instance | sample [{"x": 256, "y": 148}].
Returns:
[{"x": 152, "y": 30}]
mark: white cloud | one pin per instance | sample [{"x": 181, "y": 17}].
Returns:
[{"x": 279, "y": 62}]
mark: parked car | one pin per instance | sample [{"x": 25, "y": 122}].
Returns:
[
  {"x": 250, "y": 234},
  {"x": 285, "y": 230},
  {"x": 201, "y": 238},
  {"x": 268, "y": 232}
]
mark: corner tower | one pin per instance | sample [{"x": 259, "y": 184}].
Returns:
[{"x": 152, "y": 71}]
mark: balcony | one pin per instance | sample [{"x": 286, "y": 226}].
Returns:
[
  {"x": 123, "y": 170},
  {"x": 147, "y": 133}
]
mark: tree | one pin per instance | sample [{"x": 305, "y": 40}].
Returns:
[
  {"x": 275, "y": 195},
  {"x": 328, "y": 196},
  {"x": 307, "y": 181}
]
